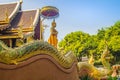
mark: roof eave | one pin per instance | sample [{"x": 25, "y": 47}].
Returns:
[
  {"x": 25, "y": 36},
  {"x": 16, "y": 30}
]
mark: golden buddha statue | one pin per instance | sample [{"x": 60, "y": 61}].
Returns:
[{"x": 53, "y": 36}]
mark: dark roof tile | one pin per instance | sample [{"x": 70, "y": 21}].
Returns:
[{"x": 24, "y": 19}]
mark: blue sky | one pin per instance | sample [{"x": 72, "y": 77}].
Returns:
[{"x": 84, "y": 15}]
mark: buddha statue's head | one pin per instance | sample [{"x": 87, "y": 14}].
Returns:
[{"x": 54, "y": 23}]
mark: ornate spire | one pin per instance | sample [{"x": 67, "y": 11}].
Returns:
[{"x": 21, "y": 1}]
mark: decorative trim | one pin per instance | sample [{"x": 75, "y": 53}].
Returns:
[
  {"x": 36, "y": 19},
  {"x": 4, "y": 26},
  {"x": 8, "y": 37},
  {"x": 25, "y": 35},
  {"x": 16, "y": 30}
]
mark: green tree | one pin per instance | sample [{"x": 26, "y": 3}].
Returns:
[
  {"x": 84, "y": 44},
  {"x": 114, "y": 46},
  {"x": 79, "y": 42}
]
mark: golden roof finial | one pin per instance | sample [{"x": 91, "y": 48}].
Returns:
[{"x": 21, "y": 1}]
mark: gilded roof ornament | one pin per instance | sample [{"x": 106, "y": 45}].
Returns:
[{"x": 21, "y": 1}]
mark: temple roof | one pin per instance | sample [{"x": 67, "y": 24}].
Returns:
[
  {"x": 25, "y": 19},
  {"x": 16, "y": 23},
  {"x": 7, "y": 12}
]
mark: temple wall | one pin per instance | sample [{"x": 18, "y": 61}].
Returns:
[{"x": 40, "y": 67}]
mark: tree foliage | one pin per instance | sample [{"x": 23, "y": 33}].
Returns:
[{"x": 85, "y": 44}]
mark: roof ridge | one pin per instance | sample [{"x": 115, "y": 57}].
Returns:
[
  {"x": 9, "y": 3},
  {"x": 29, "y": 10},
  {"x": 15, "y": 10},
  {"x": 36, "y": 19}
]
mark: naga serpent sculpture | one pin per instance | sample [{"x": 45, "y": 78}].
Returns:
[
  {"x": 105, "y": 57},
  {"x": 19, "y": 54},
  {"x": 36, "y": 60},
  {"x": 90, "y": 69}
]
